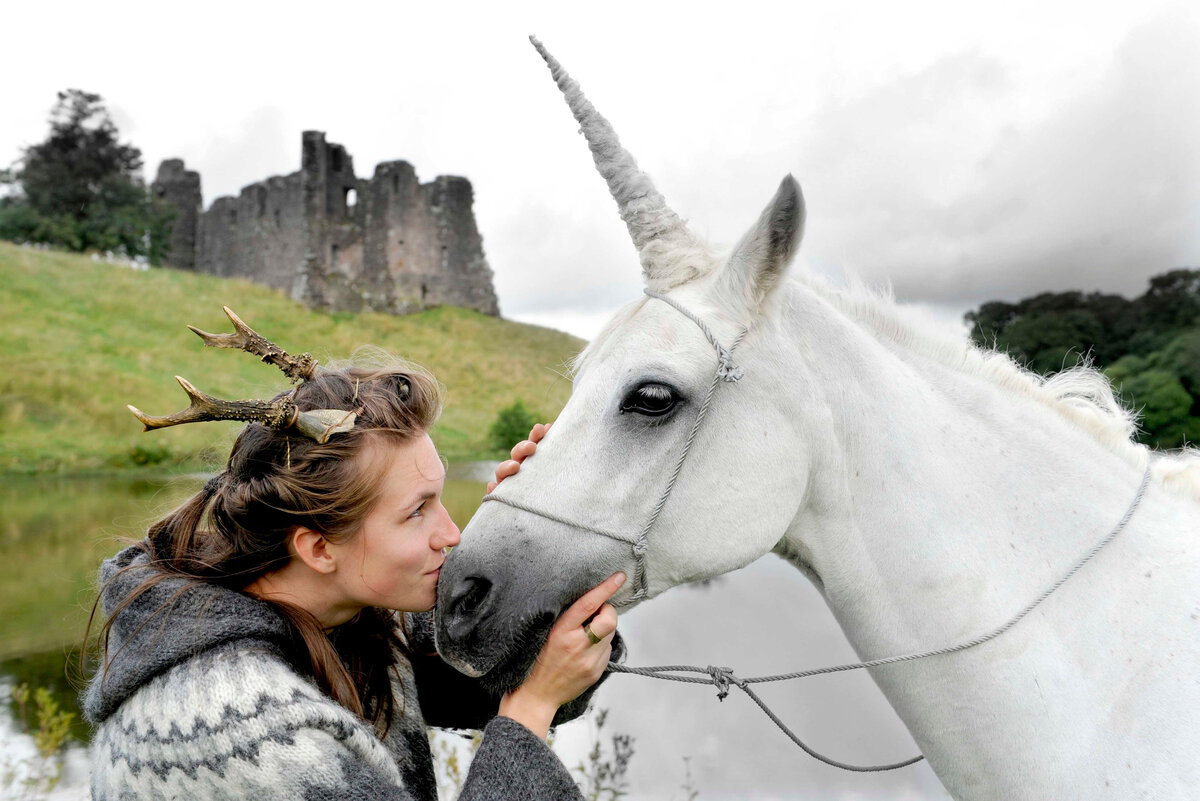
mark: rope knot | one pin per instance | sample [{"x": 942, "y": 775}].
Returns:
[
  {"x": 639, "y": 549},
  {"x": 726, "y": 369},
  {"x": 722, "y": 677}
]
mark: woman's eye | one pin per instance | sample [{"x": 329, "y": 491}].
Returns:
[
  {"x": 417, "y": 512},
  {"x": 652, "y": 400}
]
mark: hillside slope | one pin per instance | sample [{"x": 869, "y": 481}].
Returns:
[{"x": 82, "y": 338}]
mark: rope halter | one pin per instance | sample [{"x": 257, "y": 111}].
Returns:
[{"x": 726, "y": 372}]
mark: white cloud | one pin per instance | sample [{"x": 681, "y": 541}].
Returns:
[{"x": 260, "y": 146}]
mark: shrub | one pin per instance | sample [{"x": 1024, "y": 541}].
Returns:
[
  {"x": 511, "y": 426},
  {"x": 144, "y": 455}
]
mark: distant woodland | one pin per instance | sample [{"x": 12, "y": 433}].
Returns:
[{"x": 1149, "y": 346}]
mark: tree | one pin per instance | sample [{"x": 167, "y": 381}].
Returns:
[
  {"x": 1181, "y": 357},
  {"x": 81, "y": 188},
  {"x": 1160, "y": 400},
  {"x": 1149, "y": 346},
  {"x": 1172, "y": 301}
]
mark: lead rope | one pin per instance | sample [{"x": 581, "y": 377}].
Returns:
[{"x": 723, "y": 677}]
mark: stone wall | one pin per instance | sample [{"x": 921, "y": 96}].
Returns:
[{"x": 335, "y": 241}]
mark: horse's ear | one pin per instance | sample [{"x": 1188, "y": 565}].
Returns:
[{"x": 758, "y": 263}]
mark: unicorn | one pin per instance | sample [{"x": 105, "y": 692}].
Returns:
[{"x": 927, "y": 488}]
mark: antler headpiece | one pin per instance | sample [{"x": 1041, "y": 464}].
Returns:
[{"x": 281, "y": 413}]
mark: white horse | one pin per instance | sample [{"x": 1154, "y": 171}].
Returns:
[{"x": 930, "y": 491}]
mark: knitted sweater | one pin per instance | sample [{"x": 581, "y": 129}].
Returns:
[{"x": 203, "y": 701}]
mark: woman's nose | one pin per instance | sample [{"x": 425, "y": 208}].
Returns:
[{"x": 447, "y": 535}]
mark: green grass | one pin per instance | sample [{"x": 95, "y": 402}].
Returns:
[{"x": 81, "y": 339}]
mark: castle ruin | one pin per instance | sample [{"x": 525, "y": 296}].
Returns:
[{"x": 336, "y": 241}]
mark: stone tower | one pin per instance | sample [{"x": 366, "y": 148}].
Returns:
[
  {"x": 335, "y": 241},
  {"x": 181, "y": 188}
]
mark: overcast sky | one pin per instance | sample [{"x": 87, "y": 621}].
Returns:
[{"x": 960, "y": 151}]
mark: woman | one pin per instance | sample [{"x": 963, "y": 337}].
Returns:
[{"x": 257, "y": 644}]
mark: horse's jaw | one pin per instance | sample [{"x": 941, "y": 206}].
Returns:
[{"x": 795, "y": 551}]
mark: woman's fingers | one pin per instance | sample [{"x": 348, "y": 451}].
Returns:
[
  {"x": 538, "y": 431},
  {"x": 505, "y": 469},
  {"x": 590, "y": 602},
  {"x": 570, "y": 661},
  {"x": 604, "y": 623},
  {"x": 520, "y": 452},
  {"x": 523, "y": 450}
]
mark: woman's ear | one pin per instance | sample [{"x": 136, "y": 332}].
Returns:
[{"x": 313, "y": 549}]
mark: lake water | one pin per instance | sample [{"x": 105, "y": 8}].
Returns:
[{"x": 763, "y": 619}]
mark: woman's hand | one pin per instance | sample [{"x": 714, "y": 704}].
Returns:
[
  {"x": 520, "y": 452},
  {"x": 569, "y": 662}
]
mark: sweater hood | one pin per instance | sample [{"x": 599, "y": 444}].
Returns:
[{"x": 170, "y": 623}]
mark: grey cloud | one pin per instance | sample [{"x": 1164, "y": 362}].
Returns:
[{"x": 1104, "y": 193}]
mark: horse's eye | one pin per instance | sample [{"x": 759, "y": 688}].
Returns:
[{"x": 652, "y": 400}]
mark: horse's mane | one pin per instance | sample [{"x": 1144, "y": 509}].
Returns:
[{"x": 1083, "y": 395}]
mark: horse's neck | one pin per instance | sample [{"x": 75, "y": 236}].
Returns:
[
  {"x": 937, "y": 482},
  {"x": 940, "y": 505}
]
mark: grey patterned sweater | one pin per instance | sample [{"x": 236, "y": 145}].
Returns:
[{"x": 203, "y": 702}]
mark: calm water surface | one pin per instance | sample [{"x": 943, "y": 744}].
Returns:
[{"x": 763, "y": 619}]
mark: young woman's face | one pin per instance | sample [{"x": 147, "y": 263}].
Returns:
[{"x": 393, "y": 561}]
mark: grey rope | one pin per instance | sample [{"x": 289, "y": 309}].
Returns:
[
  {"x": 722, "y": 678},
  {"x": 726, "y": 371},
  {"x": 559, "y": 519}
]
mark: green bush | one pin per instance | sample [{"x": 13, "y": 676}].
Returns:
[
  {"x": 18, "y": 222},
  {"x": 511, "y": 426},
  {"x": 144, "y": 455}
]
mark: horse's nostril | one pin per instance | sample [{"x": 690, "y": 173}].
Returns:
[{"x": 471, "y": 595}]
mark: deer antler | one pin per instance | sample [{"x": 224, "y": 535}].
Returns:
[
  {"x": 297, "y": 368},
  {"x": 280, "y": 413}
]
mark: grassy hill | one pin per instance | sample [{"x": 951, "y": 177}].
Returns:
[{"x": 80, "y": 339}]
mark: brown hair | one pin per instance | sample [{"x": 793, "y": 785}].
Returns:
[{"x": 238, "y": 527}]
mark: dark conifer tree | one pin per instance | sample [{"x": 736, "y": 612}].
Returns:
[{"x": 81, "y": 188}]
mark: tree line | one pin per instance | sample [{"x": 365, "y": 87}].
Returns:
[
  {"x": 81, "y": 188},
  {"x": 1148, "y": 346}
]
